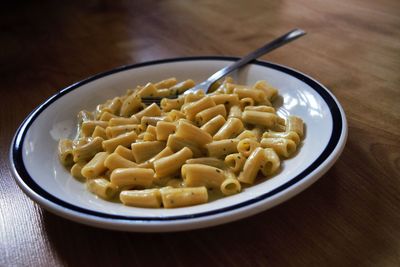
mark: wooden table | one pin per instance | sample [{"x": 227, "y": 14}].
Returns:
[{"x": 350, "y": 217}]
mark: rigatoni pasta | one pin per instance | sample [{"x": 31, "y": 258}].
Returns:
[
  {"x": 175, "y": 154},
  {"x": 146, "y": 198}
]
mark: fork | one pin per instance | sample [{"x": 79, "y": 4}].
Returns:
[{"x": 206, "y": 85}]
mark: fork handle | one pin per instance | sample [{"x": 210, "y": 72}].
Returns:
[{"x": 284, "y": 39}]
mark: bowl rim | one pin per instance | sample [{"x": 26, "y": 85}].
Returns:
[{"x": 32, "y": 189}]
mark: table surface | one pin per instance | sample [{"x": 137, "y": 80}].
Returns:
[{"x": 351, "y": 216}]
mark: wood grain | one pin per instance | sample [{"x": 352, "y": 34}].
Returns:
[{"x": 350, "y": 217}]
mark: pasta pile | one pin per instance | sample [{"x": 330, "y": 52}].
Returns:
[{"x": 176, "y": 154}]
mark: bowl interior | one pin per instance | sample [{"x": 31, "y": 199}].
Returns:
[{"x": 58, "y": 120}]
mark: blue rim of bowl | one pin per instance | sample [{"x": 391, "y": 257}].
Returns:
[{"x": 22, "y": 175}]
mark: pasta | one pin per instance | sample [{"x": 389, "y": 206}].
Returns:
[
  {"x": 213, "y": 125},
  {"x": 147, "y": 198},
  {"x": 102, "y": 187},
  {"x": 176, "y": 154},
  {"x": 179, "y": 197},
  {"x": 195, "y": 175},
  {"x": 231, "y": 128},
  {"x": 115, "y": 161}
]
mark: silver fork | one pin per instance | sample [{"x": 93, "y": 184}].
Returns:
[{"x": 206, "y": 85}]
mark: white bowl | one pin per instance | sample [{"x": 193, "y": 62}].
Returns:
[{"x": 36, "y": 168}]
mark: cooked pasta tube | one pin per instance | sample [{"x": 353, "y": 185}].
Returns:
[
  {"x": 176, "y": 143},
  {"x": 88, "y": 150},
  {"x": 221, "y": 148},
  {"x": 265, "y": 119},
  {"x": 181, "y": 197},
  {"x": 166, "y": 83},
  {"x": 247, "y": 101},
  {"x": 99, "y": 132},
  {"x": 230, "y": 186},
  {"x": 87, "y": 127},
  {"x": 296, "y": 125},
  {"x": 235, "y": 112},
  {"x": 150, "y": 111},
  {"x": 175, "y": 115},
  {"x": 231, "y": 128},
  {"x": 170, "y": 104},
  {"x": 132, "y": 177},
  {"x": 163, "y": 92},
  {"x": 124, "y": 152},
  {"x": 222, "y": 86},
  {"x": 278, "y": 127},
  {"x": 122, "y": 121},
  {"x": 247, "y": 134},
  {"x": 193, "y": 108},
  {"x": 261, "y": 108},
  {"x": 282, "y": 146},
  {"x": 146, "y": 121},
  {"x": 145, "y": 150},
  {"x": 115, "y": 161},
  {"x": 148, "y": 90},
  {"x": 247, "y": 146},
  {"x": 150, "y": 134},
  {"x": 185, "y": 120},
  {"x": 164, "y": 129},
  {"x": 76, "y": 170},
  {"x": 193, "y": 97},
  {"x": 102, "y": 188},
  {"x": 95, "y": 166},
  {"x": 270, "y": 92},
  {"x": 171, "y": 165},
  {"x": 202, "y": 175},
  {"x": 149, "y": 137},
  {"x": 181, "y": 87},
  {"x": 131, "y": 105},
  {"x": 101, "y": 109},
  {"x": 125, "y": 140},
  {"x": 175, "y": 183},
  {"x": 228, "y": 100},
  {"x": 65, "y": 152},
  {"x": 114, "y": 106},
  {"x": 219, "y": 91},
  {"x": 256, "y": 95},
  {"x": 205, "y": 115},
  {"x": 107, "y": 116},
  {"x": 288, "y": 135},
  {"x": 210, "y": 161},
  {"x": 213, "y": 125},
  {"x": 271, "y": 162},
  {"x": 114, "y": 131},
  {"x": 235, "y": 162},
  {"x": 252, "y": 166},
  {"x": 229, "y": 87},
  {"x": 146, "y": 198},
  {"x": 167, "y": 151},
  {"x": 188, "y": 131}
]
